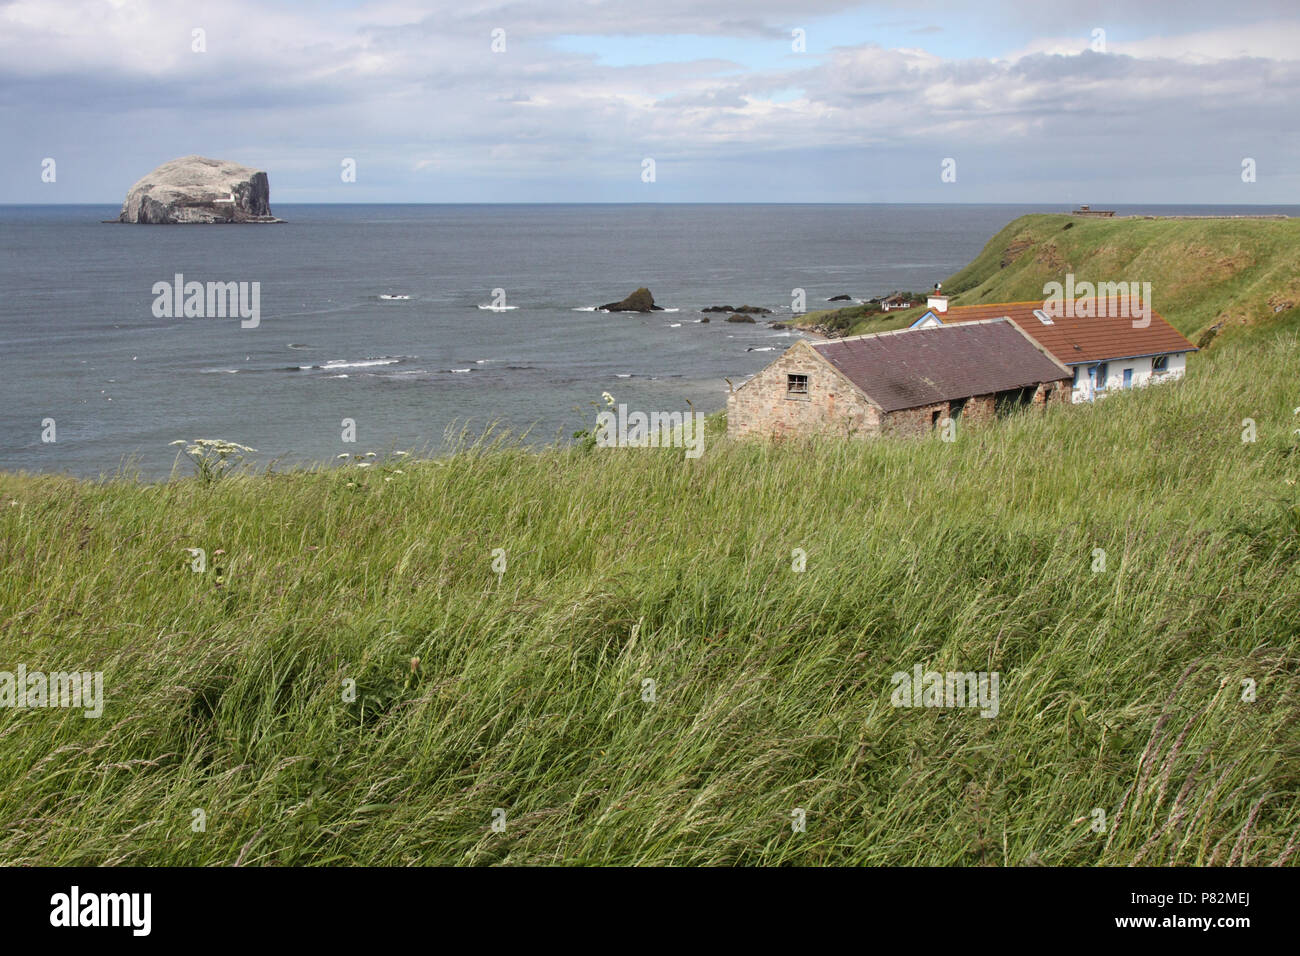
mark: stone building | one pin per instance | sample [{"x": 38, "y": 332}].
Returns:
[{"x": 905, "y": 382}]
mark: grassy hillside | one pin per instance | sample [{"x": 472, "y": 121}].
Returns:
[
  {"x": 1241, "y": 273},
  {"x": 1120, "y": 690}
]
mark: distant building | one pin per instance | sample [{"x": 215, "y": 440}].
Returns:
[
  {"x": 896, "y": 301},
  {"x": 905, "y": 382},
  {"x": 1104, "y": 353},
  {"x": 1086, "y": 210}
]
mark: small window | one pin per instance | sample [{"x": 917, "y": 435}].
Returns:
[
  {"x": 1103, "y": 371},
  {"x": 1128, "y": 378},
  {"x": 1160, "y": 364},
  {"x": 796, "y": 384}
]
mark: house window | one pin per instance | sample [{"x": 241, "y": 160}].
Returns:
[
  {"x": 796, "y": 386},
  {"x": 1128, "y": 378},
  {"x": 1160, "y": 364},
  {"x": 1102, "y": 370}
]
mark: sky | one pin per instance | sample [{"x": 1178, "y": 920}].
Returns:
[{"x": 1005, "y": 101}]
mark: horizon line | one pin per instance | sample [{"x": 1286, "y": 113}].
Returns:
[{"x": 676, "y": 203}]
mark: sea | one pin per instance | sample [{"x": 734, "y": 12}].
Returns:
[{"x": 404, "y": 326}]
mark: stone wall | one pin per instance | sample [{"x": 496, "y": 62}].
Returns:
[
  {"x": 977, "y": 410},
  {"x": 763, "y": 406}
]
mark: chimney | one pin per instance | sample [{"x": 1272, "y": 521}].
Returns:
[{"x": 936, "y": 301}]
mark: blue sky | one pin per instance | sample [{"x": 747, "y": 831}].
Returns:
[{"x": 1026, "y": 99}]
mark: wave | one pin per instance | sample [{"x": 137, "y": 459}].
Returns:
[
  {"x": 336, "y": 364},
  {"x": 359, "y": 363},
  {"x": 395, "y": 298},
  {"x": 498, "y": 308}
]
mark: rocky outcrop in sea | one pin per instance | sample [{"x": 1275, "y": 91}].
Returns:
[
  {"x": 639, "y": 301},
  {"x": 195, "y": 189}
]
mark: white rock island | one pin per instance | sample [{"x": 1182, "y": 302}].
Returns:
[{"x": 195, "y": 189}]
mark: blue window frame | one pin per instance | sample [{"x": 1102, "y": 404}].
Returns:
[{"x": 1128, "y": 378}]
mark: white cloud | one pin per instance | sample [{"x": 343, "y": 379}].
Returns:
[{"x": 416, "y": 94}]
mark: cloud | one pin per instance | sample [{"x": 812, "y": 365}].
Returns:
[{"x": 417, "y": 96}]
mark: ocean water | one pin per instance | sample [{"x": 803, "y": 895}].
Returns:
[{"x": 81, "y": 344}]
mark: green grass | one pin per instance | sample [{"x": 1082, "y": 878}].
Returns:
[
  {"x": 1120, "y": 690},
  {"x": 1203, "y": 272}
]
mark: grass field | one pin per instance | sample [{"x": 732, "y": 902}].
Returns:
[
  {"x": 1121, "y": 690},
  {"x": 1242, "y": 275}
]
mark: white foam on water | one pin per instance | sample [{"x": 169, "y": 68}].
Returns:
[
  {"x": 362, "y": 363},
  {"x": 498, "y": 308}
]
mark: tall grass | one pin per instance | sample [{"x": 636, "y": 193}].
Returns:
[{"x": 1120, "y": 690}]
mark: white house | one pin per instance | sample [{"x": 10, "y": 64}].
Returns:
[{"x": 1106, "y": 353}]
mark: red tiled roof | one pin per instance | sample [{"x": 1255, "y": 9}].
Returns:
[
  {"x": 1076, "y": 339},
  {"x": 915, "y": 367}
]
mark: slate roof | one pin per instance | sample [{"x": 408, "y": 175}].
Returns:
[
  {"x": 1075, "y": 340},
  {"x": 914, "y": 367}
]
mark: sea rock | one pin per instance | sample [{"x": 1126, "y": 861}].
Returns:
[
  {"x": 840, "y": 298},
  {"x": 750, "y": 309},
  {"x": 639, "y": 301},
  {"x": 197, "y": 189},
  {"x": 740, "y": 317}
]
